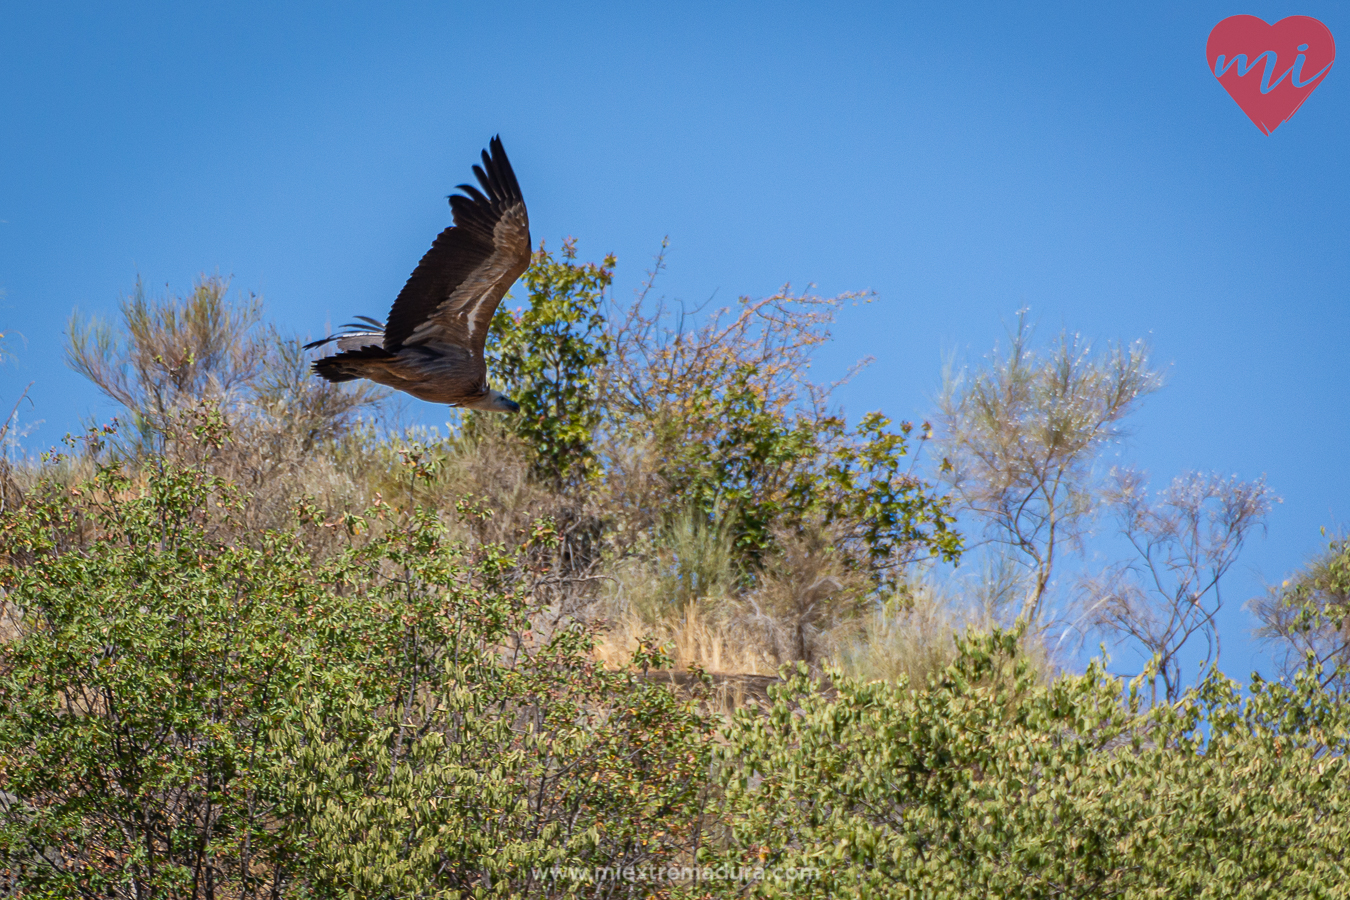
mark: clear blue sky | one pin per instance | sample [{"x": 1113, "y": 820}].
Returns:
[{"x": 961, "y": 160}]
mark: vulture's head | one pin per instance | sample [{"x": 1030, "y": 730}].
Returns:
[{"x": 495, "y": 401}]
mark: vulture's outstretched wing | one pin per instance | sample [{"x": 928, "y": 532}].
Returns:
[{"x": 453, "y": 293}]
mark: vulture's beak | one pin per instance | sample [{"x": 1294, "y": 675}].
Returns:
[{"x": 511, "y": 405}]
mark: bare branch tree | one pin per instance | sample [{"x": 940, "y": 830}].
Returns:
[
  {"x": 659, "y": 351},
  {"x": 1023, "y": 435},
  {"x": 170, "y": 351},
  {"x": 1186, "y": 540}
]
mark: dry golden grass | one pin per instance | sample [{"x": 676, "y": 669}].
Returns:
[
  {"x": 694, "y": 639},
  {"x": 907, "y": 639}
]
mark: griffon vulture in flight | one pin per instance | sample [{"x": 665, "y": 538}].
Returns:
[{"x": 432, "y": 345}]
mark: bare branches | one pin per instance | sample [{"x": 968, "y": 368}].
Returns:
[
  {"x": 314, "y": 410},
  {"x": 1186, "y": 540},
  {"x": 659, "y": 350},
  {"x": 173, "y": 353}
]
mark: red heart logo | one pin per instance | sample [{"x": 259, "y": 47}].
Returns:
[{"x": 1270, "y": 69}]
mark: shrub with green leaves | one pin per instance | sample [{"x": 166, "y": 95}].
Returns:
[
  {"x": 755, "y": 466},
  {"x": 496, "y": 757},
  {"x": 550, "y": 354},
  {"x": 189, "y": 708},
  {"x": 986, "y": 783},
  {"x": 152, "y": 661},
  {"x": 194, "y": 710},
  {"x": 1309, "y": 614}
]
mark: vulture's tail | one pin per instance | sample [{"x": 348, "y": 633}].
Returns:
[
  {"x": 360, "y": 342},
  {"x": 351, "y": 364}
]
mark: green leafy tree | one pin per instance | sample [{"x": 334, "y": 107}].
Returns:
[
  {"x": 892, "y": 513},
  {"x": 1308, "y": 615},
  {"x": 151, "y": 661},
  {"x": 757, "y": 466},
  {"x": 733, "y": 457},
  {"x": 494, "y": 761},
  {"x": 551, "y": 355}
]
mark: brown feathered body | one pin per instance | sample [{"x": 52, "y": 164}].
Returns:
[{"x": 431, "y": 345}]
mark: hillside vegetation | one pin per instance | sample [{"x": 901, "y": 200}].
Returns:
[{"x": 261, "y": 640}]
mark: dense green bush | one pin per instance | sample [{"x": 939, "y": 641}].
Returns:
[
  {"x": 189, "y": 709},
  {"x": 759, "y": 466},
  {"x": 987, "y": 783}
]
